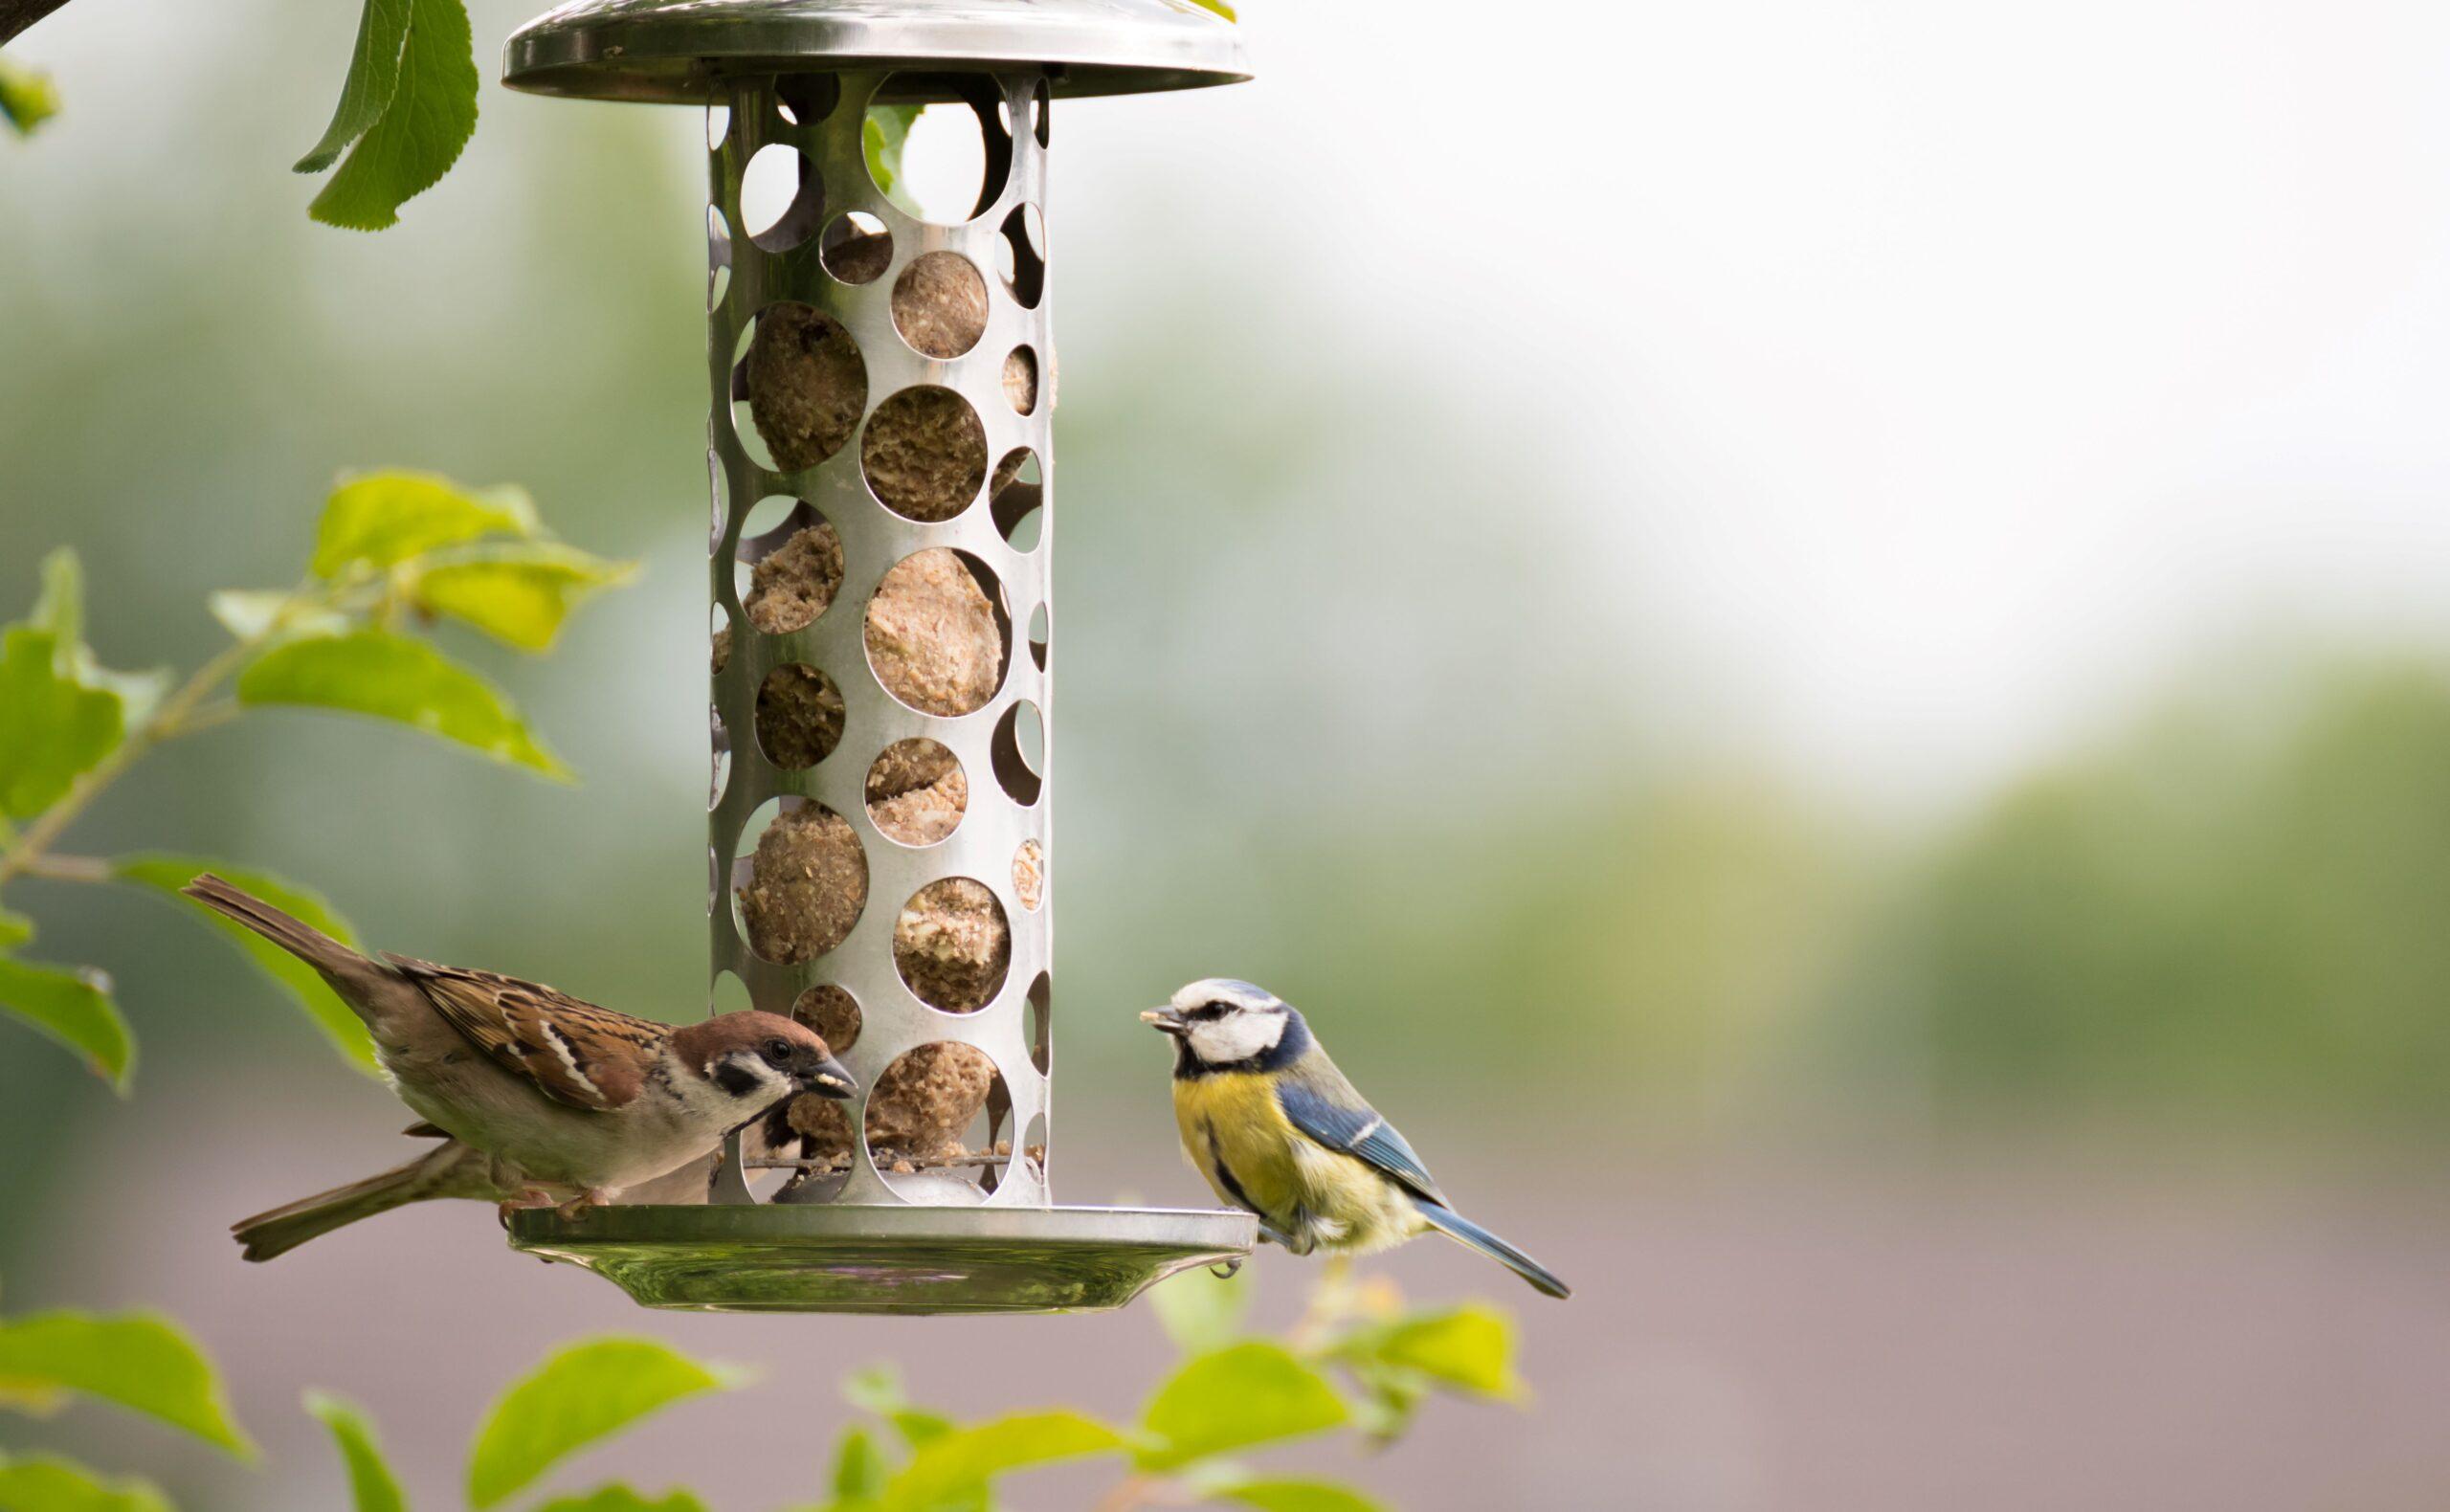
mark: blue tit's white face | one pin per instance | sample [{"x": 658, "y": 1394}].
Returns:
[{"x": 1224, "y": 1021}]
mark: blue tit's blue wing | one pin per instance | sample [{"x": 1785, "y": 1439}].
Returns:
[{"x": 1327, "y": 1109}]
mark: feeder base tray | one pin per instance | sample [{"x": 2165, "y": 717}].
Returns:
[{"x": 873, "y": 1260}]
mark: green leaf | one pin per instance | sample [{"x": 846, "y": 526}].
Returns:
[
  {"x": 579, "y": 1394},
  {"x": 15, "y": 929},
  {"x": 1298, "y": 1496},
  {"x": 881, "y": 138},
  {"x": 859, "y": 1468},
  {"x": 73, "y": 1006},
  {"x": 878, "y": 1389},
  {"x": 52, "y": 728},
  {"x": 622, "y": 1499},
  {"x": 518, "y": 594},
  {"x": 139, "y": 1361},
  {"x": 373, "y": 78},
  {"x": 1201, "y": 1310},
  {"x": 60, "y": 609},
  {"x": 251, "y": 613},
  {"x": 1469, "y": 1348},
  {"x": 372, "y": 1487},
  {"x": 966, "y": 1459},
  {"x": 27, "y": 97},
  {"x": 1247, "y": 1394},
  {"x": 338, "y": 1023},
  {"x": 429, "y": 117},
  {"x": 383, "y": 519},
  {"x": 387, "y": 677},
  {"x": 49, "y": 1485}
]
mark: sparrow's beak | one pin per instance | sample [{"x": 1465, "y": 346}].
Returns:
[
  {"x": 828, "y": 1080},
  {"x": 1166, "y": 1021}
]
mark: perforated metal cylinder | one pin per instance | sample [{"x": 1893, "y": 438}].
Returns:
[{"x": 1002, "y": 841}]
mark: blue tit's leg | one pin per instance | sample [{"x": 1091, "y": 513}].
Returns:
[{"x": 1270, "y": 1234}]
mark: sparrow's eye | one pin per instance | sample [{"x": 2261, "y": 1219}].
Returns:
[{"x": 776, "y": 1051}]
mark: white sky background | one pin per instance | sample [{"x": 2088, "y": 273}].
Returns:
[
  {"x": 1940, "y": 380},
  {"x": 1943, "y": 375}
]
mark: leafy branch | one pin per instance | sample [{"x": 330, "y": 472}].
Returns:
[{"x": 394, "y": 552}]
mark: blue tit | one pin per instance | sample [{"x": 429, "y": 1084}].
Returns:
[{"x": 1276, "y": 1128}]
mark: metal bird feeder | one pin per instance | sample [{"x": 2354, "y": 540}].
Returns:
[{"x": 882, "y": 386}]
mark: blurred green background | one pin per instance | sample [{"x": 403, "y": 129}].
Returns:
[{"x": 1816, "y": 641}]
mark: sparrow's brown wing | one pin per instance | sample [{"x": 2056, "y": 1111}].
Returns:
[{"x": 574, "y": 1052}]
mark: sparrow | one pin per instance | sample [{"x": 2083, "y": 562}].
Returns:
[
  {"x": 1276, "y": 1128},
  {"x": 534, "y": 1095}
]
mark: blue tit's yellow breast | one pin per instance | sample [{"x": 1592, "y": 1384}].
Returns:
[{"x": 1241, "y": 1139}]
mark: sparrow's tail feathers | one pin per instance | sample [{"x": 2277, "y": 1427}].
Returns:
[
  {"x": 1472, "y": 1236},
  {"x": 450, "y": 1170},
  {"x": 298, "y": 938}
]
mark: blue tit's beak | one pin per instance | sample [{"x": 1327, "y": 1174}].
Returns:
[
  {"x": 828, "y": 1078},
  {"x": 1166, "y": 1021}
]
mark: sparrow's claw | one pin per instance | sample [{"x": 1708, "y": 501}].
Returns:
[{"x": 589, "y": 1198}]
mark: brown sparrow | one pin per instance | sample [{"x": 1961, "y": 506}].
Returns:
[{"x": 535, "y": 1095}]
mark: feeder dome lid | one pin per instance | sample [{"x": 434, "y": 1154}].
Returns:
[{"x": 679, "y": 51}]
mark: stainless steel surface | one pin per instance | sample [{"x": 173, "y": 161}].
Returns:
[
  {"x": 683, "y": 50},
  {"x": 874, "y": 538},
  {"x": 871, "y": 1259},
  {"x": 849, "y": 1241}
]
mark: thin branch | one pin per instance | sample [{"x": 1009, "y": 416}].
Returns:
[
  {"x": 16, "y": 15},
  {"x": 70, "y": 868}
]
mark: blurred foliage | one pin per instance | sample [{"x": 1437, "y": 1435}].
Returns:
[
  {"x": 391, "y": 547},
  {"x": 28, "y": 98},
  {"x": 2232, "y": 911}
]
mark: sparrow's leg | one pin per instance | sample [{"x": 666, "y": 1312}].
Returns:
[{"x": 528, "y": 1197}]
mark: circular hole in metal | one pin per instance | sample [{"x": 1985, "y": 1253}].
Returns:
[
  {"x": 1042, "y": 112},
  {"x": 924, "y": 454},
  {"x": 720, "y": 740},
  {"x": 806, "y": 99},
  {"x": 718, "y": 127},
  {"x": 940, "y": 305},
  {"x": 952, "y": 945},
  {"x": 714, "y": 496},
  {"x": 938, "y": 635},
  {"x": 833, "y": 1012},
  {"x": 789, "y": 564},
  {"x": 1017, "y": 499},
  {"x": 933, "y": 1123},
  {"x": 1040, "y": 629},
  {"x": 1041, "y": 1022},
  {"x": 856, "y": 248},
  {"x": 945, "y": 162},
  {"x": 799, "y": 716},
  {"x": 917, "y": 792},
  {"x": 1019, "y": 752},
  {"x": 714, "y": 878},
  {"x": 1029, "y": 876},
  {"x": 1032, "y": 1148},
  {"x": 1020, "y": 255},
  {"x": 800, "y": 883},
  {"x": 718, "y": 257},
  {"x": 1020, "y": 380},
  {"x": 782, "y": 197},
  {"x": 728, "y": 995},
  {"x": 803, "y": 384}
]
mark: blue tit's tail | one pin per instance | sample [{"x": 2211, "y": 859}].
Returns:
[{"x": 1472, "y": 1236}]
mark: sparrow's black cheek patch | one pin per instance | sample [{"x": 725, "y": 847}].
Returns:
[{"x": 737, "y": 1080}]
